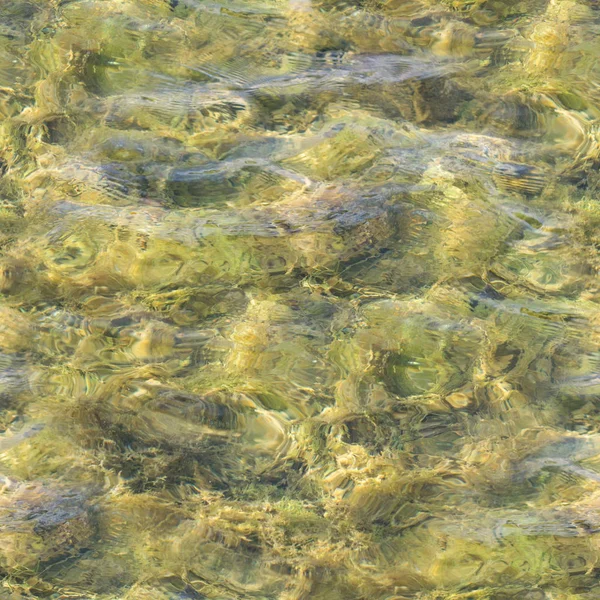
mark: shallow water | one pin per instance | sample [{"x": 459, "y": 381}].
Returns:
[{"x": 299, "y": 299}]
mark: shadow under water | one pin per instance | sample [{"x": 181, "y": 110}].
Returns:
[{"x": 299, "y": 299}]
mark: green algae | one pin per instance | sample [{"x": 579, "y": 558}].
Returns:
[{"x": 298, "y": 300}]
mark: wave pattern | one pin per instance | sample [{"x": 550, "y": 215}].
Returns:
[{"x": 299, "y": 299}]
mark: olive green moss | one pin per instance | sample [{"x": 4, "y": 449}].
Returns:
[{"x": 298, "y": 300}]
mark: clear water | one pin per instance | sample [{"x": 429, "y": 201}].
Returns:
[{"x": 299, "y": 299}]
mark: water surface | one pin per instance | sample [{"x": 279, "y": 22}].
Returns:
[{"x": 299, "y": 299}]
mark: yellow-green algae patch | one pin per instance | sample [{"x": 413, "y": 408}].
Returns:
[{"x": 299, "y": 300}]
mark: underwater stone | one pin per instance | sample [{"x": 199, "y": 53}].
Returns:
[{"x": 39, "y": 525}]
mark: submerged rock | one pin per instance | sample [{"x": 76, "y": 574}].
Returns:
[
  {"x": 566, "y": 455},
  {"x": 40, "y": 524}
]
